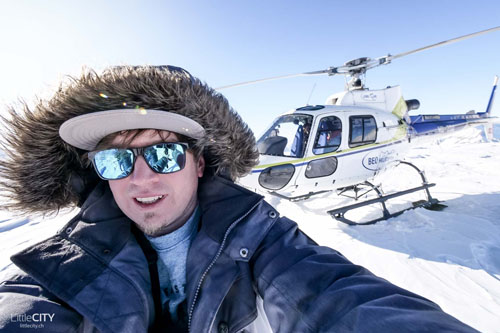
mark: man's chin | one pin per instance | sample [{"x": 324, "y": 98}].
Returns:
[
  {"x": 156, "y": 228},
  {"x": 154, "y": 225},
  {"x": 153, "y": 230}
]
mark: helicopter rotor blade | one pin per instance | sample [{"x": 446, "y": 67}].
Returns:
[
  {"x": 388, "y": 58},
  {"x": 320, "y": 72},
  {"x": 360, "y": 65}
]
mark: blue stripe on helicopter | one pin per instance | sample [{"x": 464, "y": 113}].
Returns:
[{"x": 336, "y": 155}]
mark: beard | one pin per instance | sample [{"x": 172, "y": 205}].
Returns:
[
  {"x": 154, "y": 229},
  {"x": 163, "y": 226}
]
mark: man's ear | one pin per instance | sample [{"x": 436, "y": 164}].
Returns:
[{"x": 200, "y": 166}]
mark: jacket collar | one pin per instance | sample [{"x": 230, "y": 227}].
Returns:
[
  {"x": 222, "y": 202},
  {"x": 100, "y": 205}
]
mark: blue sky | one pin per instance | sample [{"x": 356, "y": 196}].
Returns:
[{"x": 224, "y": 42}]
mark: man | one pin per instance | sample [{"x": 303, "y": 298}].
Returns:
[{"x": 164, "y": 240}]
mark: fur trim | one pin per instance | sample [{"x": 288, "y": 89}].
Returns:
[{"x": 42, "y": 174}]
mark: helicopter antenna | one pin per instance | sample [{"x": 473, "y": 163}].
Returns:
[
  {"x": 356, "y": 68},
  {"x": 312, "y": 90}
]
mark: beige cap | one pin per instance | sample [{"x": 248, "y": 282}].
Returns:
[{"x": 86, "y": 131}]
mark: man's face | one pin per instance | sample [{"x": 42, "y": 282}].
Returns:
[{"x": 176, "y": 192}]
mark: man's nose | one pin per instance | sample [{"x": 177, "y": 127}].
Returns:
[{"x": 142, "y": 172}]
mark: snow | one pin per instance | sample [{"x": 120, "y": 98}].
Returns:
[{"x": 451, "y": 256}]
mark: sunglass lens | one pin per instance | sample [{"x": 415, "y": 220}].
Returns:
[
  {"x": 165, "y": 157},
  {"x": 114, "y": 163}
]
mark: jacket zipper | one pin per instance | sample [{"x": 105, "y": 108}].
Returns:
[{"x": 219, "y": 252}]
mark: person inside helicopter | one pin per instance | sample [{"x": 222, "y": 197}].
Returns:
[
  {"x": 300, "y": 140},
  {"x": 328, "y": 136}
]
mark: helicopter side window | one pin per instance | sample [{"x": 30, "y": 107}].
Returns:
[
  {"x": 328, "y": 136},
  {"x": 363, "y": 130}
]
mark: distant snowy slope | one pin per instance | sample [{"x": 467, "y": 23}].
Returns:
[{"x": 451, "y": 257}]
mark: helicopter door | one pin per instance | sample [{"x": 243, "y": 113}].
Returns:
[
  {"x": 318, "y": 173},
  {"x": 362, "y": 132}
]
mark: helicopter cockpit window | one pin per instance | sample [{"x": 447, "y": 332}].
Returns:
[
  {"x": 287, "y": 136},
  {"x": 328, "y": 135},
  {"x": 363, "y": 130}
]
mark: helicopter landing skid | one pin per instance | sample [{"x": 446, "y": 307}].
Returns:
[{"x": 430, "y": 203}]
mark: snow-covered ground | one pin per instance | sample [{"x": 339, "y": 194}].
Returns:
[{"x": 451, "y": 257}]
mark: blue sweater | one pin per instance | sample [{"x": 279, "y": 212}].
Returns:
[{"x": 172, "y": 252}]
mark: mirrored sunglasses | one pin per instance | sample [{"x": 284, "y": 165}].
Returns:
[{"x": 118, "y": 163}]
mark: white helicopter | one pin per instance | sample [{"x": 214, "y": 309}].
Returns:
[{"x": 343, "y": 144}]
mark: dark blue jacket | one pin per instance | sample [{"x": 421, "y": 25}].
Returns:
[{"x": 248, "y": 270}]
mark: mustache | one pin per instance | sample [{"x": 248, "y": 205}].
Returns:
[{"x": 150, "y": 191}]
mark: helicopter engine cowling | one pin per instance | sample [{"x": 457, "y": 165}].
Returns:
[{"x": 389, "y": 100}]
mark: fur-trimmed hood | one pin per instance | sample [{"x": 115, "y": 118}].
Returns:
[{"x": 40, "y": 173}]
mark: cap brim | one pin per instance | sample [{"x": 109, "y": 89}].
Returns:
[{"x": 86, "y": 131}]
